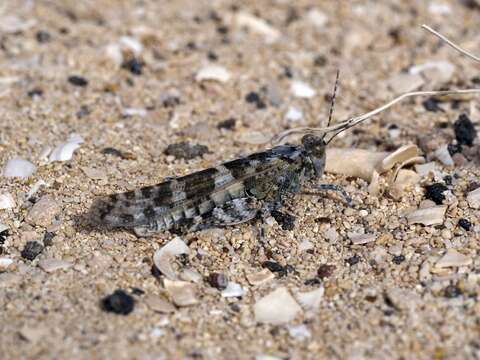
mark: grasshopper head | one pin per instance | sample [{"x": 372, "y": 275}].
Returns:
[{"x": 315, "y": 150}]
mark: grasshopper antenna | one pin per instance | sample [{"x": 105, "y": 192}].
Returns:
[{"x": 332, "y": 104}]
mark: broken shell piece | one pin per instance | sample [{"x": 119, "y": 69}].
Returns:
[
  {"x": 443, "y": 155},
  {"x": 360, "y": 239},
  {"x": 20, "y": 168},
  {"x": 260, "y": 277},
  {"x": 6, "y": 201},
  {"x": 441, "y": 71},
  {"x": 374, "y": 186},
  {"x": 430, "y": 216},
  {"x": 233, "y": 290},
  {"x": 453, "y": 258},
  {"x": 158, "y": 304},
  {"x": 276, "y": 308},
  {"x": 163, "y": 257},
  {"x": 213, "y": 73},
  {"x": 399, "y": 156},
  {"x": 52, "y": 265},
  {"x": 473, "y": 198},
  {"x": 64, "y": 152},
  {"x": 311, "y": 300},
  {"x": 402, "y": 83},
  {"x": 5, "y": 263},
  {"x": 425, "y": 169},
  {"x": 182, "y": 293},
  {"x": 404, "y": 179},
  {"x": 257, "y": 26},
  {"x": 353, "y": 162}
]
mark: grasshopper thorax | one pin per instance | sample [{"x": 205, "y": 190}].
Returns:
[{"x": 314, "y": 147}]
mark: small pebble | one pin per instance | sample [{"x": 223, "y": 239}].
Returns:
[
  {"x": 443, "y": 155},
  {"x": 260, "y": 277},
  {"x": 83, "y": 111},
  {"x": 276, "y": 308},
  {"x": 6, "y": 201},
  {"x": 285, "y": 220},
  {"x": 20, "y": 168},
  {"x": 228, "y": 124},
  {"x": 325, "y": 271},
  {"x": 44, "y": 212},
  {"x": 454, "y": 149},
  {"x": 77, "y": 81},
  {"x": 31, "y": 250},
  {"x": 431, "y": 104},
  {"x": 465, "y": 224},
  {"x": 355, "y": 259},
  {"x": 452, "y": 291},
  {"x": 253, "y": 98},
  {"x": 453, "y": 258},
  {"x": 119, "y": 303},
  {"x": 233, "y": 290},
  {"x": 48, "y": 238},
  {"x": 182, "y": 293},
  {"x": 435, "y": 192},
  {"x": 311, "y": 300},
  {"x": 134, "y": 65},
  {"x": 43, "y": 36},
  {"x": 159, "y": 304},
  {"x": 303, "y": 90},
  {"x": 398, "y": 259},
  {"x": 465, "y": 131},
  {"x": 213, "y": 73},
  {"x": 52, "y": 265},
  {"x": 293, "y": 114},
  {"x": 274, "y": 267},
  {"x": 35, "y": 92},
  {"x": 218, "y": 280},
  {"x": 185, "y": 150}
]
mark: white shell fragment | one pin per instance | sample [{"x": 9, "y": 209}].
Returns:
[
  {"x": 353, "y": 162},
  {"x": 443, "y": 155},
  {"x": 132, "y": 44},
  {"x": 453, "y": 258},
  {"x": 276, "y": 308},
  {"x": 429, "y": 216},
  {"x": 317, "y": 18},
  {"x": 213, "y": 73},
  {"x": 399, "y": 156},
  {"x": 64, "y": 152},
  {"x": 473, "y": 198},
  {"x": 129, "y": 112},
  {"x": 5, "y": 263},
  {"x": 260, "y": 277},
  {"x": 441, "y": 71},
  {"x": 360, "y": 239},
  {"x": 6, "y": 201},
  {"x": 402, "y": 83},
  {"x": 257, "y": 26},
  {"x": 311, "y": 300},
  {"x": 299, "y": 332},
  {"x": 163, "y": 257},
  {"x": 302, "y": 90},
  {"x": 233, "y": 290},
  {"x": 158, "y": 304},
  {"x": 20, "y": 168},
  {"x": 52, "y": 265},
  {"x": 293, "y": 114},
  {"x": 182, "y": 293}
]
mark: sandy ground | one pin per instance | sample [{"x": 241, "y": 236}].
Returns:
[{"x": 383, "y": 299}]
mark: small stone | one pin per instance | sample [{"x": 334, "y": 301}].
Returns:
[
  {"x": 276, "y": 308},
  {"x": 185, "y": 150},
  {"x": 77, "y": 81},
  {"x": 94, "y": 174},
  {"x": 134, "y": 65},
  {"x": 435, "y": 192},
  {"x": 452, "y": 291},
  {"x": 33, "y": 334},
  {"x": 260, "y": 277},
  {"x": 443, "y": 155},
  {"x": 218, "y": 280},
  {"x": 438, "y": 71},
  {"x": 355, "y": 259},
  {"x": 48, "y": 238},
  {"x": 43, "y": 36},
  {"x": 158, "y": 304},
  {"x": 325, "y": 271},
  {"x": 301, "y": 89},
  {"x": 293, "y": 114},
  {"x": 258, "y": 26},
  {"x": 20, "y": 168},
  {"x": 6, "y": 201},
  {"x": 119, "y": 303},
  {"x": 425, "y": 169},
  {"x": 5, "y": 262},
  {"x": 431, "y": 104},
  {"x": 404, "y": 82},
  {"x": 233, "y": 290},
  {"x": 228, "y": 124},
  {"x": 285, "y": 220},
  {"x": 254, "y": 98},
  {"x": 465, "y": 132},
  {"x": 35, "y": 92},
  {"x": 465, "y": 224},
  {"x": 274, "y": 267},
  {"x": 453, "y": 258},
  {"x": 360, "y": 239},
  {"x": 317, "y": 18},
  {"x": 52, "y": 265},
  {"x": 398, "y": 259},
  {"x": 299, "y": 332},
  {"x": 182, "y": 293},
  {"x": 44, "y": 212},
  {"x": 131, "y": 112},
  {"x": 31, "y": 250}
]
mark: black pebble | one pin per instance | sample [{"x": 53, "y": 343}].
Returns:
[
  {"x": 112, "y": 151},
  {"x": 3, "y": 236},
  {"x": 325, "y": 271},
  {"x": 286, "y": 221},
  {"x": 119, "y": 303},
  {"x": 35, "y": 92},
  {"x": 78, "y": 80},
  {"x": 434, "y": 192},
  {"x": 185, "y": 150},
  {"x": 253, "y": 98},
  {"x": 83, "y": 111},
  {"x": 398, "y": 259},
  {"x": 171, "y": 101},
  {"x": 48, "y": 238},
  {"x": 275, "y": 267},
  {"x": 31, "y": 250},
  {"x": 431, "y": 104},
  {"x": 452, "y": 291},
  {"x": 228, "y": 124},
  {"x": 464, "y": 130},
  {"x": 464, "y": 223},
  {"x": 137, "y": 291},
  {"x": 454, "y": 149},
  {"x": 314, "y": 281},
  {"x": 134, "y": 65},
  {"x": 218, "y": 280},
  {"x": 320, "y": 61},
  {"x": 222, "y": 29},
  {"x": 355, "y": 259},
  {"x": 43, "y": 36},
  {"x": 212, "y": 56}
]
